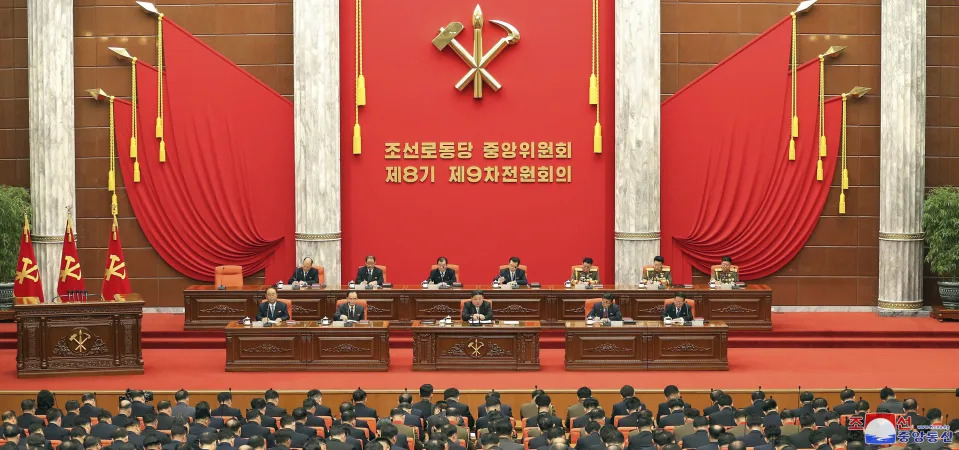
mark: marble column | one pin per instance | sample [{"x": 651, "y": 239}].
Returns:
[
  {"x": 316, "y": 117},
  {"x": 52, "y": 164},
  {"x": 902, "y": 155},
  {"x": 637, "y": 136}
]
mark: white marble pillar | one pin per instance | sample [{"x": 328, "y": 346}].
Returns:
[
  {"x": 316, "y": 106},
  {"x": 52, "y": 165},
  {"x": 637, "y": 136},
  {"x": 902, "y": 155}
]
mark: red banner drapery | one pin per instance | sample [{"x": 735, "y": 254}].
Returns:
[
  {"x": 743, "y": 197},
  {"x": 225, "y": 194}
]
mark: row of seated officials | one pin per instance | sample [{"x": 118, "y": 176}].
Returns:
[{"x": 448, "y": 424}]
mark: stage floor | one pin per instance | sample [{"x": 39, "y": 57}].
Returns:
[{"x": 773, "y": 368}]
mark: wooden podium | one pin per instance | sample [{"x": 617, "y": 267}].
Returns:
[{"x": 71, "y": 339}]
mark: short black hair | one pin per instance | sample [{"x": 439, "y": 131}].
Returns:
[
  {"x": 807, "y": 420},
  {"x": 88, "y": 396},
  {"x": 224, "y": 396},
  {"x": 608, "y": 296},
  {"x": 514, "y": 259},
  {"x": 584, "y": 392},
  {"x": 359, "y": 395},
  {"x": 475, "y": 293},
  {"x": 149, "y": 417},
  {"x": 91, "y": 441},
  {"x": 847, "y": 394},
  {"x": 592, "y": 426},
  {"x": 727, "y": 259},
  {"x": 54, "y": 415},
  {"x": 658, "y": 258},
  {"x": 28, "y": 404},
  {"x": 754, "y": 421},
  {"x": 163, "y": 404},
  {"x": 671, "y": 389},
  {"x": 770, "y": 404},
  {"x": 299, "y": 414},
  {"x": 627, "y": 391},
  {"x": 451, "y": 393},
  {"x": 701, "y": 421},
  {"x": 934, "y": 414},
  {"x": 587, "y": 260},
  {"x": 758, "y": 395},
  {"x": 806, "y": 396},
  {"x": 282, "y": 436},
  {"x": 177, "y": 430},
  {"x": 441, "y": 259},
  {"x": 72, "y": 405},
  {"x": 632, "y": 403},
  {"x": 256, "y": 441},
  {"x": 270, "y": 394},
  {"x": 543, "y": 400},
  {"x": 537, "y": 393},
  {"x": 426, "y": 390},
  {"x": 181, "y": 395},
  {"x": 313, "y": 393}
]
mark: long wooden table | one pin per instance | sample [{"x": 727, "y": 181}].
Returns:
[
  {"x": 307, "y": 345},
  {"x": 741, "y": 309},
  {"x": 460, "y": 346},
  {"x": 647, "y": 345},
  {"x": 70, "y": 339}
]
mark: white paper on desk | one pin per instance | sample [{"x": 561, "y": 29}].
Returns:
[
  {"x": 510, "y": 322},
  {"x": 257, "y": 324},
  {"x": 615, "y": 323}
]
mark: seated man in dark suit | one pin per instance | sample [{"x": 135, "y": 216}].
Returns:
[
  {"x": 253, "y": 427},
  {"x": 771, "y": 413},
  {"x": 595, "y": 414},
  {"x": 321, "y": 409},
  {"x": 676, "y": 416},
  {"x": 701, "y": 436},
  {"x": 477, "y": 308},
  {"x": 53, "y": 430},
  {"x": 359, "y": 405},
  {"x": 820, "y": 410},
  {"x": 670, "y": 392},
  {"x": 627, "y": 391},
  {"x": 605, "y": 310},
  {"x": 589, "y": 439},
  {"x": 548, "y": 436},
  {"x": 643, "y": 439},
  {"x": 369, "y": 273},
  {"x": 73, "y": 410},
  {"x": 773, "y": 437},
  {"x": 305, "y": 274},
  {"x": 714, "y": 395},
  {"x": 139, "y": 407},
  {"x": 754, "y": 437},
  {"x": 124, "y": 413},
  {"x": 104, "y": 428},
  {"x": 177, "y": 436},
  {"x": 338, "y": 440},
  {"x": 802, "y": 438},
  {"x": 297, "y": 440},
  {"x": 259, "y": 405},
  {"x": 150, "y": 429},
  {"x": 848, "y": 405},
  {"x": 512, "y": 273},
  {"x": 726, "y": 415},
  {"x": 89, "y": 408},
  {"x": 424, "y": 407},
  {"x": 632, "y": 416},
  {"x": 678, "y": 309},
  {"x": 272, "y": 403},
  {"x": 350, "y": 310},
  {"x": 348, "y": 421},
  {"x": 492, "y": 404},
  {"x": 225, "y": 399},
  {"x": 889, "y": 401},
  {"x": 302, "y": 418},
  {"x": 442, "y": 273},
  {"x": 29, "y": 408},
  {"x": 201, "y": 423},
  {"x": 272, "y": 310},
  {"x": 164, "y": 415},
  {"x": 452, "y": 397},
  {"x": 504, "y": 408},
  {"x": 225, "y": 440}
]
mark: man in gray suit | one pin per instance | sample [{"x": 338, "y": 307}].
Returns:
[
  {"x": 889, "y": 401},
  {"x": 183, "y": 407}
]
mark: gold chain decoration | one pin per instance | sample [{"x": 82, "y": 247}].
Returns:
[
  {"x": 842, "y": 150},
  {"x": 593, "y": 80},
  {"x": 793, "y": 109},
  {"x": 133, "y": 120},
  {"x": 360, "y": 79},
  {"x": 822, "y": 116},
  {"x": 159, "y": 131},
  {"x": 598, "y": 129},
  {"x": 112, "y": 175}
]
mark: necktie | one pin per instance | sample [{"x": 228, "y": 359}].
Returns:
[
  {"x": 272, "y": 310},
  {"x": 370, "y": 273},
  {"x": 442, "y": 274},
  {"x": 605, "y": 311},
  {"x": 351, "y": 311},
  {"x": 512, "y": 276}
]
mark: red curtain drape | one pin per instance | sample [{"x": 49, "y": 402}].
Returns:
[
  {"x": 225, "y": 194},
  {"x": 728, "y": 187}
]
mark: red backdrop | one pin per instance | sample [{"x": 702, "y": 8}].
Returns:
[{"x": 411, "y": 98}]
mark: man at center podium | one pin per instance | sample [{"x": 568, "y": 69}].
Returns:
[
  {"x": 679, "y": 309},
  {"x": 306, "y": 274},
  {"x": 477, "y": 308},
  {"x": 350, "y": 310},
  {"x": 272, "y": 309},
  {"x": 369, "y": 272},
  {"x": 442, "y": 273}
]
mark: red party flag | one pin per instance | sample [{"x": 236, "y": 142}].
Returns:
[
  {"x": 26, "y": 283},
  {"x": 115, "y": 279},
  {"x": 71, "y": 278}
]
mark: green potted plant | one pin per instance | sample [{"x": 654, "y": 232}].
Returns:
[
  {"x": 940, "y": 218},
  {"x": 14, "y": 201}
]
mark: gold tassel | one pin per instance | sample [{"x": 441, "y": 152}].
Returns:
[
  {"x": 795, "y": 126},
  {"x": 111, "y": 181},
  {"x": 822, "y": 145},
  {"x": 162, "y": 150},
  {"x": 593, "y": 90},
  {"x": 133, "y": 146},
  {"x": 819, "y": 170},
  {"x": 792, "y": 149},
  {"x": 361, "y": 90},
  {"x": 598, "y": 138},
  {"x": 357, "y": 140},
  {"x": 159, "y": 128},
  {"x": 136, "y": 171},
  {"x": 845, "y": 179},
  {"x": 842, "y": 203},
  {"x": 113, "y": 204}
]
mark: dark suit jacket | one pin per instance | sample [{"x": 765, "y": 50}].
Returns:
[
  {"x": 197, "y": 429},
  {"x": 171, "y": 446},
  {"x": 251, "y": 429},
  {"x": 365, "y": 411},
  {"x": 463, "y": 408},
  {"x": 305, "y": 430},
  {"x": 315, "y": 421},
  {"x": 486, "y": 309},
  {"x": 697, "y": 439},
  {"x": 69, "y": 420},
  {"x": 298, "y": 440},
  {"x": 54, "y": 432},
  {"x": 322, "y": 410},
  {"x": 674, "y": 419},
  {"x": 709, "y": 446},
  {"x": 801, "y": 439},
  {"x": 25, "y": 420},
  {"x": 311, "y": 277},
  {"x": 756, "y": 409},
  {"x": 89, "y": 410},
  {"x": 612, "y": 313},
  {"x": 519, "y": 277},
  {"x": 643, "y": 439},
  {"x": 279, "y": 312},
  {"x": 803, "y": 410},
  {"x": 772, "y": 419},
  {"x": 140, "y": 409},
  {"x": 274, "y": 411},
  {"x": 710, "y": 409},
  {"x": 162, "y": 437},
  {"x": 820, "y": 417},
  {"x": 224, "y": 446},
  {"x": 425, "y": 406},
  {"x": 893, "y": 405},
  {"x": 684, "y": 311},
  {"x": 725, "y": 417},
  {"x": 363, "y": 274},
  {"x": 754, "y": 438},
  {"x": 344, "y": 310},
  {"x": 537, "y": 441},
  {"x": 135, "y": 439},
  {"x": 333, "y": 444},
  {"x": 103, "y": 430},
  {"x": 590, "y": 441},
  {"x": 631, "y": 420},
  {"x": 505, "y": 409},
  {"x": 121, "y": 420},
  {"x": 449, "y": 276},
  {"x": 846, "y": 407},
  {"x": 183, "y": 409},
  {"x": 226, "y": 411},
  {"x": 834, "y": 429},
  {"x": 164, "y": 422}
]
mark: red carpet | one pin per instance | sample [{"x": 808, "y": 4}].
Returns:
[{"x": 773, "y": 368}]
